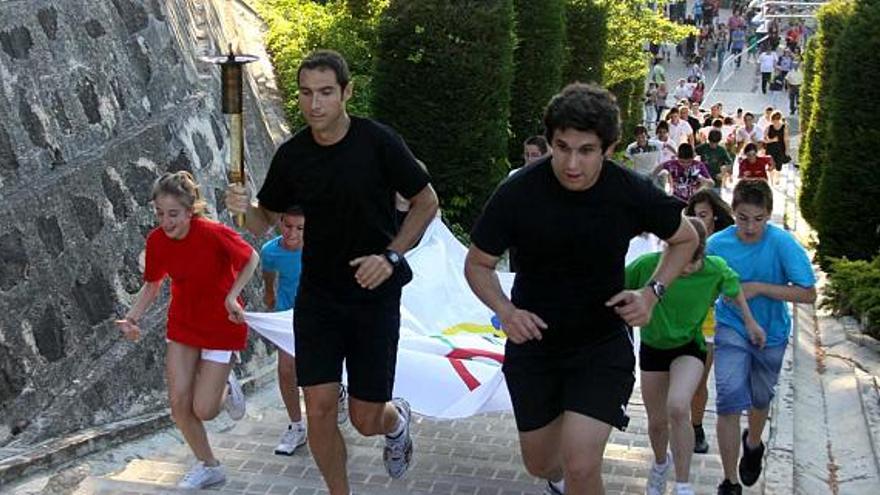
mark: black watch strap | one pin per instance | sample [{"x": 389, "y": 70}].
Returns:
[
  {"x": 657, "y": 288},
  {"x": 393, "y": 257}
]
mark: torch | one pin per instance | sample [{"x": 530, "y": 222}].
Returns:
[{"x": 231, "y": 72}]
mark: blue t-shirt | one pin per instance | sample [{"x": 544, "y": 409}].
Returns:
[
  {"x": 776, "y": 259},
  {"x": 288, "y": 265}
]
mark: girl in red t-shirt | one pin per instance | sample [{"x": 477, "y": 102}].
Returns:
[
  {"x": 752, "y": 166},
  {"x": 208, "y": 264}
]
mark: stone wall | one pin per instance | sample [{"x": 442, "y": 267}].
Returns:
[{"x": 98, "y": 98}]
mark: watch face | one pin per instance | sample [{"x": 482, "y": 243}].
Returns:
[{"x": 393, "y": 257}]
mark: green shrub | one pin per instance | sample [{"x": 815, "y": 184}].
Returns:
[
  {"x": 814, "y": 147},
  {"x": 854, "y": 290},
  {"x": 537, "y": 76},
  {"x": 443, "y": 81},
  {"x": 586, "y": 30},
  {"x": 847, "y": 199},
  {"x": 806, "y": 95},
  {"x": 297, "y": 27}
]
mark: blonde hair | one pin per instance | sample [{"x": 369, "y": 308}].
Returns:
[{"x": 182, "y": 186}]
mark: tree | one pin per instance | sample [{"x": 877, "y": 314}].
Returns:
[
  {"x": 443, "y": 80},
  {"x": 849, "y": 219},
  {"x": 814, "y": 149},
  {"x": 586, "y": 30},
  {"x": 538, "y": 58},
  {"x": 805, "y": 104}
]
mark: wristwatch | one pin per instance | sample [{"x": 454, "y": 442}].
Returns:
[
  {"x": 393, "y": 257},
  {"x": 657, "y": 288}
]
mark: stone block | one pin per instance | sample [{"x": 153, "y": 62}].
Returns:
[
  {"x": 11, "y": 378},
  {"x": 139, "y": 181},
  {"x": 60, "y": 113},
  {"x": 31, "y": 122},
  {"x": 17, "y": 42},
  {"x": 48, "y": 18},
  {"x": 49, "y": 334},
  {"x": 133, "y": 15},
  {"x": 94, "y": 28},
  {"x": 8, "y": 160},
  {"x": 87, "y": 215},
  {"x": 114, "y": 189},
  {"x": 51, "y": 235},
  {"x": 94, "y": 297},
  {"x": 88, "y": 98},
  {"x": 13, "y": 260},
  {"x": 180, "y": 162},
  {"x": 203, "y": 151}
]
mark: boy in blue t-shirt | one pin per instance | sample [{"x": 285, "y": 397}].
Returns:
[
  {"x": 282, "y": 265},
  {"x": 774, "y": 270}
]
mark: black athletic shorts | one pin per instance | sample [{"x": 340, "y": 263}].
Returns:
[
  {"x": 363, "y": 334},
  {"x": 595, "y": 380},
  {"x": 653, "y": 359}
]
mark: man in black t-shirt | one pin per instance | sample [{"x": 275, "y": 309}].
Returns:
[
  {"x": 569, "y": 361},
  {"x": 344, "y": 171}
]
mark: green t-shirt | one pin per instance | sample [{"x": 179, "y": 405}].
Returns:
[
  {"x": 678, "y": 317},
  {"x": 714, "y": 159}
]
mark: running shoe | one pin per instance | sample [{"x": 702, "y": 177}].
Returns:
[
  {"x": 657, "y": 477},
  {"x": 292, "y": 438},
  {"x": 342, "y": 407},
  {"x": 398, "y": 450},
  {"x": 234, "y": 403},
  {"x": 750, "y": 464},
  {"x": 701, "y": 446},
  {"x": 552, "y": 489},
  {"x": 202, "y": 476},
  {"x": 683, "y": 489},
  {"x": 728, "y": 488}
]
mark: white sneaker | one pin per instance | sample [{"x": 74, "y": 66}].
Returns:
[
  {"x": 292, "y": 438},
  {"x": 202, "y": 476},
  {"x": 234, "y": 402},
  {"x": 683, "y": 489},
  {"x": 342, "y": 407},
  {"x": 398, "y": 451},
  {"x": 657, "y": 477}
]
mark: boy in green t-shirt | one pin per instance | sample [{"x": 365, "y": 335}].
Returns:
[
  {"x": 672, "y": 353},
  {"x": 716, "y": 158}
]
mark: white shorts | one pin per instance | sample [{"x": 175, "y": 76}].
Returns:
[{"x": 218, "y": 356}]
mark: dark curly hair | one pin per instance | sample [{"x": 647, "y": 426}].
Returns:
[{"x": 586, "y": 108}]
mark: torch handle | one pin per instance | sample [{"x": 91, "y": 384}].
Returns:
[{"x": 236, "y": 158}]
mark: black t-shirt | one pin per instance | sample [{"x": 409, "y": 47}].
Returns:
[
  {"x": 346, "y": 191},
  {"x": 569, "y": 247}
]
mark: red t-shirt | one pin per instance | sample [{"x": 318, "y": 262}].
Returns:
[
  {"x": 202, "y": 267},
  {"x": 756, "y": 170}
]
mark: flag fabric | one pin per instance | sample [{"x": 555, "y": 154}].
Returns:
[{"x": 451, "y": 345}]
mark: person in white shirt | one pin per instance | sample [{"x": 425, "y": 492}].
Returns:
[
  {"x": 764, "y": 120},
  {"x": 682, "y": 91},
  {"x": 766, "y": 63},
  {"x": 644, "y": 153},
  {"x": 748, "y": 133},
  {"x": 680, "y": 131},
  {"x": 793, "y": 81}
]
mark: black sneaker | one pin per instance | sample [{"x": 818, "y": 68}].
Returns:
[
  {"x": 728, "y": 488},
  {"x": 750, "y": 464},
  {"x": 701, "y": 446}
]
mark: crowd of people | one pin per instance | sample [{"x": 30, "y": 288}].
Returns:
[{"x": 566, "y": 217}]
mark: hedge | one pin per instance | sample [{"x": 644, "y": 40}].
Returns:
[
  {"x": 854, "y": 290},
  {"x": 538, "y": 59},
  {"x": 297, "y": 27},
  {"x": 814, "y": 147},
  {"x": 443, "y": 81},
  {"x": 849, "y": 191},
  {"x": 805, "y": 104},
  {"x": 586, "y": 31}
]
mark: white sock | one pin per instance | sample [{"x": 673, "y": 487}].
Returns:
[
  {"x": 398, "y": 430},
  {"x": 663, "y": 464},
  {"x": 297, "y": 425}
]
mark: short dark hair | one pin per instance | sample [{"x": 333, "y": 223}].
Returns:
[
  {"x": 537, "y": 140},
  {"x": 685, "y": 150},
  {"x": 747, "y": 115},
  {"x": 717, "y": 123},
  {"x": 754, "y": 192},
  {"x": 640, "y": 129},
  {"x": 714, "y": 136},
  {"x": 326, "y": 59},
  {"x": 721, "y": 213},
  {"x": 586, "y": 108},
  {"x": 750, "y": 147},
  {"x": 662, "y": 125},
  {"x": 294, "y": 211}
]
